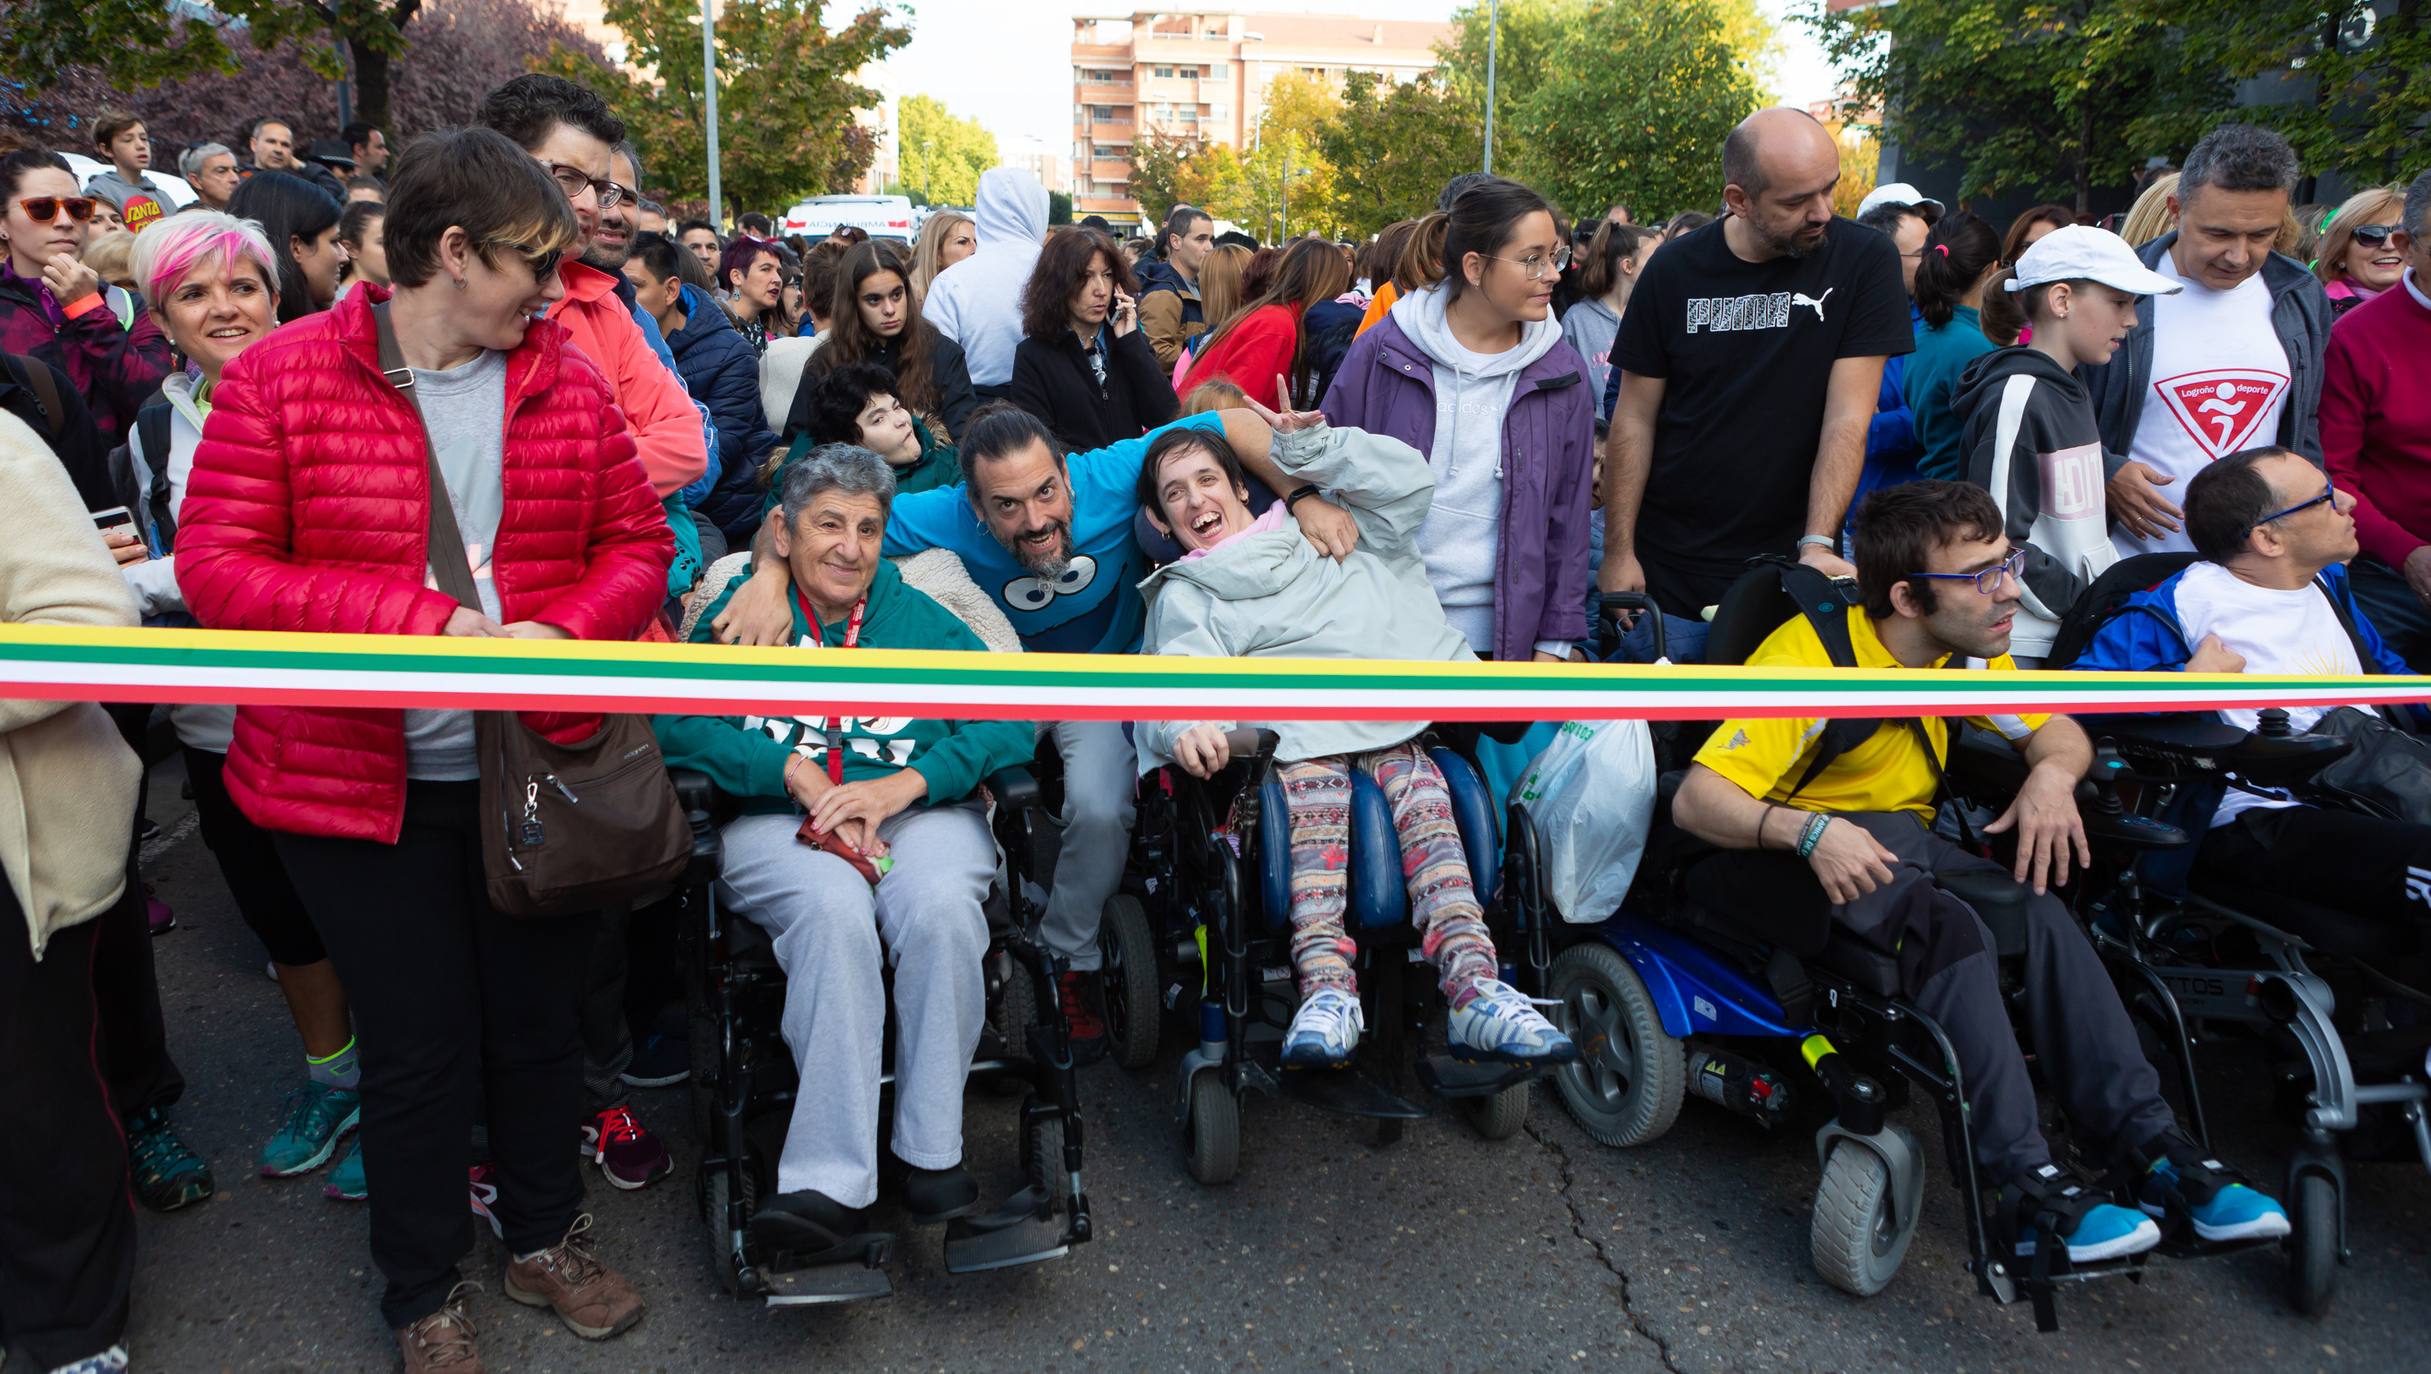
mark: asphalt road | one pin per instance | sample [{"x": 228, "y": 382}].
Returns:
[{"x": 1547, "y": 1252}]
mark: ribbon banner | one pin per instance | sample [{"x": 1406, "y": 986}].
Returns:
[{"x": 243, "y": 667}]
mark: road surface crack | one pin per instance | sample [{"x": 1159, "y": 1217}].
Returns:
[{"x": 1603, "y": 1256}]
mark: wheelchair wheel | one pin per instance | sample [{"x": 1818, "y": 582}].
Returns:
[
  {"x": 2313, "y": 1243},
  {"x": 1213, "y": 1132},
  {"x": 1625, "y": 1087},
  {"x": 714, "y": 1195},
  {"x": 1856, "y": 1241},
  {"x": 1134, "y": 1011},
  {"x": 1016, "y": 1010},
  {"x": 1499, "y": 1116},
  {"x": 701, "y": 1089},
  {"x": 1042, "y": 1158}
]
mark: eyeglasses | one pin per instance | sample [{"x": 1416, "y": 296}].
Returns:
[
  {"x": 1989, "y": 580},
  {"x": 624, "y": 195},
  {"x": 45, "y": 209},
  {"x": 572, "y": 180},
  {"x": 1537, "y": 266},
  {"x": 2374, "y": 235},
  {"x": 2329, "y": 496}
]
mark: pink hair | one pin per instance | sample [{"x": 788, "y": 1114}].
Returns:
[{"x": 171, "y": 249}]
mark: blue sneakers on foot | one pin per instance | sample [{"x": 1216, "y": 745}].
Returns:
[
  {"x": 2094, "y": 1230},
  {"x": 1324, "y": 1031},
  {"x": 346, "y": 1182},
  {"x": 2208, "y": 1194},
  {"x": 318, "y": 1116},
  {"x": 1502, "y": 1025}
]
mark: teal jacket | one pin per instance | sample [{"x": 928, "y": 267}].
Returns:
[
  {"x": 1940, "y": 359},
  {"x": 745, "y": 755}
]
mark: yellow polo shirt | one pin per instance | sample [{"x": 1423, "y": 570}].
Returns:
[{"x": 1888, "y": 772}]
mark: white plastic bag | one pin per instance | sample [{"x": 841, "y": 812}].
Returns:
[{"x": 1592, "y": 794}]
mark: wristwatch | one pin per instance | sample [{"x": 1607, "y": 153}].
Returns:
[{"x": 1308, "y": 489}]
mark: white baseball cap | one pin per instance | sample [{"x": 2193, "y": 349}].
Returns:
[
  {"x": 1897, "y": 193},
  {"x": 2080, "y": 252}
]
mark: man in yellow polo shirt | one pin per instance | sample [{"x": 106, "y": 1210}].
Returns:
[{"x": 1941, "y": 589}]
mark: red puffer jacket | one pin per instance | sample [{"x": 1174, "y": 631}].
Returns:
[{"x": 308, "y": 510}]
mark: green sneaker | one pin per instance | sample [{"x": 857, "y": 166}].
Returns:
[
  {"x": 346, "y": 1182},
  {"x": 318, "y": 1116},
  {"x": 166, "y": 1174}
]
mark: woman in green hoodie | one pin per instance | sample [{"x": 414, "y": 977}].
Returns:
[{"x": 863, "y": 840}]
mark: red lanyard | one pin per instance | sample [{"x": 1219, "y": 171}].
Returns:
[{"x": 852, "y": 638}]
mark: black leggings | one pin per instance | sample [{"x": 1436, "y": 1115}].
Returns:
[
  {"x": 457, "y": 1003},
  {"x": 249, "y": 863}
]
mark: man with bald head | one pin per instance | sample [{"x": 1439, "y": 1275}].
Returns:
[{"x": 1746, "y": 372}]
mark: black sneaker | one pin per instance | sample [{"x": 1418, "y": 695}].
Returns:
[
  {"x": 659, "y": 1061},
  {"x": 1083, "y": 995},
  {"x": 166, "y": 1174},
  {"x": 934, "y": 1195},
  {"x": 806, "y": 1225}
]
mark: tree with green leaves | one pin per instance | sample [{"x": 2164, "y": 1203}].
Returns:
[
  {"x": 787, "y": 101},
  {"x": 940, "y": 154},
  {"x": 2348, "y": 81},
  {"x": 1394, "y": 145}
]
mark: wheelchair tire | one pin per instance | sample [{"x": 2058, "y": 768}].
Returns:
[
  {"x": 1855, "y": 1242},
  {"x": 1016, "y": 1010},
  {"x": 1499, "y": 1116},
  {"x": 1626, "y": 1085},
  {"x": 700, "y": 1091},
  {"x": 1042, "y": 1158},
  {"x": 1213, "y": 1132},
  {"x": 2313, "y": 1243},
  {"x": 1134, "y": 1009},
  {"x": 713, "y": 1197}
]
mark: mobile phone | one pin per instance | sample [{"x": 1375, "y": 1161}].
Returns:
[{"x": 113, "y": 518}]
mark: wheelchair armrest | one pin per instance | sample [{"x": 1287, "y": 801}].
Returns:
[
  {"x": 1250, "y": 745},
  {"x": 1015, "y": 786},
  {"x": 2170, "y": 748},
  {"x": 696, "y": 793}
]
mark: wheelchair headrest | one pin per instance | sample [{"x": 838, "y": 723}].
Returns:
[
  {"x": 2087, "y": 615},
  {"x": 1769, "y": 595}
]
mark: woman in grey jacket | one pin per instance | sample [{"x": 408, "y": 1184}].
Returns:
[{"x": 1252, "y": 586}]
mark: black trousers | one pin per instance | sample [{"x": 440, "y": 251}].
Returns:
[
  {"x": 249, "y": 863},
  {"x": 126, "y": 994},
  {"x": 67, "y": 1220},
  {"x": 2344, "y": 860},
  {"x": 454, "y": 1002}
]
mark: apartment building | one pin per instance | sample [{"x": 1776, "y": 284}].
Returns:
[{"x": 1203, "y": 72}]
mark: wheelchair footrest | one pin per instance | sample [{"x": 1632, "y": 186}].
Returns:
[
  {"x": 836, "y": 1281},
  {"x": 1445, "y": 1076},
  {"x": 1344, "y": 1091},
  {"x": 1022, "y": 1230}
]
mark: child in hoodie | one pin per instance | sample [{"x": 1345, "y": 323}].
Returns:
[{"x": 2031, "y": 437}]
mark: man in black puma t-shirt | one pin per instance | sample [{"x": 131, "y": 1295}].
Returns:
[{"x": 1749, "y": 361}]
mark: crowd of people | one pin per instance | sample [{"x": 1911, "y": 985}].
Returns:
[{"x": 291, "y": 403}]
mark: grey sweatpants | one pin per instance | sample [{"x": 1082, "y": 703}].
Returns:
[
  {"x": 1950, "y": 967},
  {"x": 829, "y": 926},
  {"x": 1100, "y": 770}
]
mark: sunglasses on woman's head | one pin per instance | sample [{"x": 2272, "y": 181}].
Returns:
[{"x": 45, "y": 209}]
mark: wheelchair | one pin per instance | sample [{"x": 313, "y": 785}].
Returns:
[
  {"x": 1724, "y": 975},
  {"x": 1207, "y": 899},
  {"x": 2335, "y": 1004},
  {"x": 743, "y": 1075}
]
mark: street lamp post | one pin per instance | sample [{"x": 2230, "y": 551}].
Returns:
[
  {"x": 1493, "y": 36},
  {"x": 717, "y": 203}
]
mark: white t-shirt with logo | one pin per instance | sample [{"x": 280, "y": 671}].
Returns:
[
  {"x": 2280, "y": 633},
  {"x": 2219, "y": 381}
]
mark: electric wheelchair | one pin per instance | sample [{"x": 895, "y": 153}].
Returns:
[
  {"x": 2335, "y": 1005},
  {"x": 1724, "y": 975}
]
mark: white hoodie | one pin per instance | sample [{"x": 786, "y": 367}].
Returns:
[
  {"x": 1461, "y": 540},
  {"x": 977, "y": 301}
]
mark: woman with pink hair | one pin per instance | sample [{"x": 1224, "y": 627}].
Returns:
[{"x": 212, "y": 283}]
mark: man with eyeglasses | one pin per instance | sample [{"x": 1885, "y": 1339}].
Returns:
[
  {"x": 570, "y": 132},
  {"x": 2270, "y": 595},
  {"x": 1940, "y": 586}
]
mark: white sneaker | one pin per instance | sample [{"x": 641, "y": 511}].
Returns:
[
  {"x": 1324, "y": 1031},
  {"x": 1500, "y": 1024}
]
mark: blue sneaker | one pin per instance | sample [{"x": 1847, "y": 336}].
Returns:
[
  {"x": 346, "y": 1182},
  {"x": 2094, "y": 1230},
  {"x": 318, "y": 1116},
  {"x": 1324, "y": 1031},
  {"x": 2208, "y": 1194},
  {"x": 1501, "y": 1024}
]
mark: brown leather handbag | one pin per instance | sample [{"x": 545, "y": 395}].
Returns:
[{"x": 567, "y": 828}]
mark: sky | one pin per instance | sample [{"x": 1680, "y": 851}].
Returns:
[{"x": 1007, "y": 63}]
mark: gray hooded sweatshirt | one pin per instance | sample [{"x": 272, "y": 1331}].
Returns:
[
  {"x": 977, "y": 301},
  {"x": 1461, "y": 540},
  {"x": 1270, "y": 595}
]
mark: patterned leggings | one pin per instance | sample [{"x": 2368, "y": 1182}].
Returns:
[{"x": 1443, "y": 905}]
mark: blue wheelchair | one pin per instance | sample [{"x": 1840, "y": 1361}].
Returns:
[{"x": 1211, "y": 878}]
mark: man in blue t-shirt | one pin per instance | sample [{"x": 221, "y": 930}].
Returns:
[{"x": 1049, "y": 536}]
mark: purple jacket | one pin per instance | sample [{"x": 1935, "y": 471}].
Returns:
[
  {"x": 1386, "y": 385},
  {"x": 115, "y": 370}
]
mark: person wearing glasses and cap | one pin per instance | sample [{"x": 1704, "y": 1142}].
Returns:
[
  {"x": 570, "y": 133},
  {"x": 56, "y": 309},
  {"x": 1940, "y": 587}
]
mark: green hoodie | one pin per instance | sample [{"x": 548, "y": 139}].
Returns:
[
  {"x": 940, "y": 465},
  {"x": 745, "y": 755}
]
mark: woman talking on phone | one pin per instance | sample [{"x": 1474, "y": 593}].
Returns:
[{"x": 1083, "y": 365}]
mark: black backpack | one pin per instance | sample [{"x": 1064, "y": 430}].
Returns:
[{"x": 1775, "y": 591}]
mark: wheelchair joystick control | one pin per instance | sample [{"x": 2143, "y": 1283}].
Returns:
[{"x": 2273, "y": 723}]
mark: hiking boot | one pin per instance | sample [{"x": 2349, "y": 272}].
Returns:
[
  {"x": 1501, "y": 1025},
  {"x": 318, "y": 1117},
  {"x": 2213, "y": 1198},
  {"x": 594, "y": 1301},
  {"x": 347, "y": 1182},
  {"x": 166, "y": 1174},
  {"x": 630, "y": 1156},
  {"x": 443, "y": 1340},
  {"x": 1324, "y": 1031},
  {"x": 1083, "y": 995}
]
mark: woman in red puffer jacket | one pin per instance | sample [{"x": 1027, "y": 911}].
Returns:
[{"x": 308, "y": 509}]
